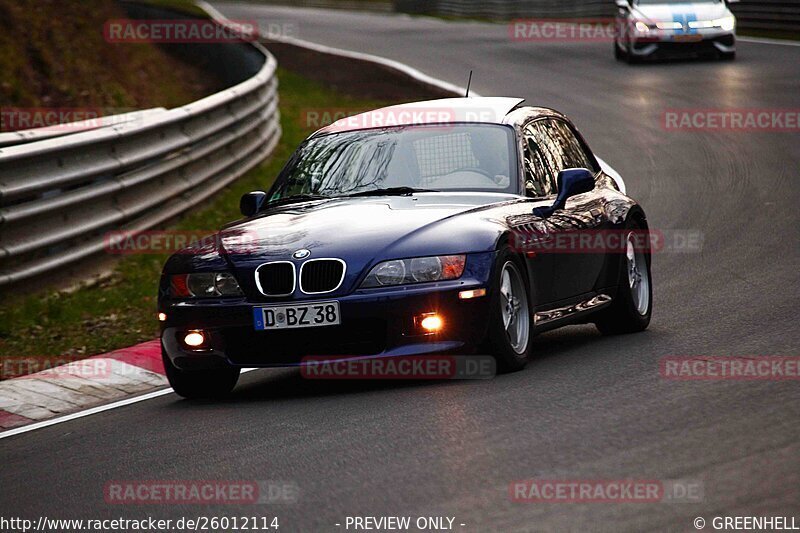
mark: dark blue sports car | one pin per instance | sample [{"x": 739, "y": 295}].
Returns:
[{"x": 453, "y": 226}]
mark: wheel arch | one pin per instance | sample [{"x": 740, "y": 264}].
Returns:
[{"x": 506, "y": 239}]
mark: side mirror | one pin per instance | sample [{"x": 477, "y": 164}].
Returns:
[
  {"x": 571, "y": 182},
  {"x": 251, "y": 203}
]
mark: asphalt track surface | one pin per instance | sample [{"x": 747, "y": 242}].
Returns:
[{"x": 587, "y": 407}]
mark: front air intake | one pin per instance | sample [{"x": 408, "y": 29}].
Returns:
[
  {"x": 319, "y": 276},
  {"x": 276, "y": 279}
]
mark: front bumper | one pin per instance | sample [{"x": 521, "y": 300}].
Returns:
[
  {"x": 669, "y": 43},
  {"x": 374, "y": 323}
]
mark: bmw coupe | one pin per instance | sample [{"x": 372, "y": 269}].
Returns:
[{"x": 428, "y": 228}]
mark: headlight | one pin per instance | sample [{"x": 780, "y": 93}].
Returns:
[
  {"x": 226, "y": 284},
  {"x": 642, "y": 27},
  {"x": 204, "y": 285},
  {"x": 669, "y": 25},
  {"x": 390, "y": 273},
  {"x": 426, "y": 269},
  {"x": 416, "y": 270},
  {"x": 727, "y": 23}
]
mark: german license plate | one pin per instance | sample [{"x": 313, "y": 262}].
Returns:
[{"x": 293, "y": 316}]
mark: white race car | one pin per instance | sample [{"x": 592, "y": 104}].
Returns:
[{"x": 664, "y": 28}]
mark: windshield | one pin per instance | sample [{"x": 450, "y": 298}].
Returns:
[{"x": 459, "y": 157}]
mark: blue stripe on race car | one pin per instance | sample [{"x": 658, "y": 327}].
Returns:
[{"x": 684, "y": 18}]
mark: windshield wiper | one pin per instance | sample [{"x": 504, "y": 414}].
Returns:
[
  {"x": 295, "y": 198},
  {"x": 391, "y": 191}
]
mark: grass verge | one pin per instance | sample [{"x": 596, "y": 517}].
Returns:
[{"x": 120, "y": 311}]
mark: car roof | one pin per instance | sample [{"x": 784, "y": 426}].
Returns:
[{"x": 486, "y": 110}]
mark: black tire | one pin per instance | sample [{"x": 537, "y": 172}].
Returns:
[
  {"x": 508, "y": 358},
  {"x": 197, "y": 384},
  {"x": 629, "y": 56},
  {"x": 727, "y": 56},
  {"x": 619, "y": 55},
  {"x": 624, "y": 315}
]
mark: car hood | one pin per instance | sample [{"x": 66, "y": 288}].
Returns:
[
  {"x": 347, "y": 226},
  {"x": 682, "y": 12},
  {"x": 361, "y": 231}
]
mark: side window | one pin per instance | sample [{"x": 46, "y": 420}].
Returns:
[
  {"x": 574, "y": 154},
  {"x": 547, "y": 137},
  {"x": 539, "y": 179}
]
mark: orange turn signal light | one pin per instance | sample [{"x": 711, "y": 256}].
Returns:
[{"x": 474, "y": 293}]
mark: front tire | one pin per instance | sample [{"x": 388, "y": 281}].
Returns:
[
  {"x": 619, "y": 55},
  {"x": 629, "y": 56},
  {"x": 632, "y": 308},
  {"x": 727, "y": 56},
  {"x": 197, "y": 384},
  {"x": 510, "y": 331}
]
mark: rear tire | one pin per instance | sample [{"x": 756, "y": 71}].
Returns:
[
  {"x": 510, "y": 324},
  {"x": 197, "y": 384},
  {"x": 632, "y": 308}
]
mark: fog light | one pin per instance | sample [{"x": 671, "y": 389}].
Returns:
[
  {"x": 162, "y": 317},
  {"x": 430, "y": 322},
  {"x": 194, "y": 339},
  {"x": 468, "y": 295}
]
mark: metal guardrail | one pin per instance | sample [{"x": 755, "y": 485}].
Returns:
[
  {"x": 15, "y": 138},
  {"x": 768, "y": 15},
  {"x": 60, "y": 196}
]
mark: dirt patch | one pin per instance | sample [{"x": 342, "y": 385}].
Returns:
[{"x": 354, "y": 77}]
